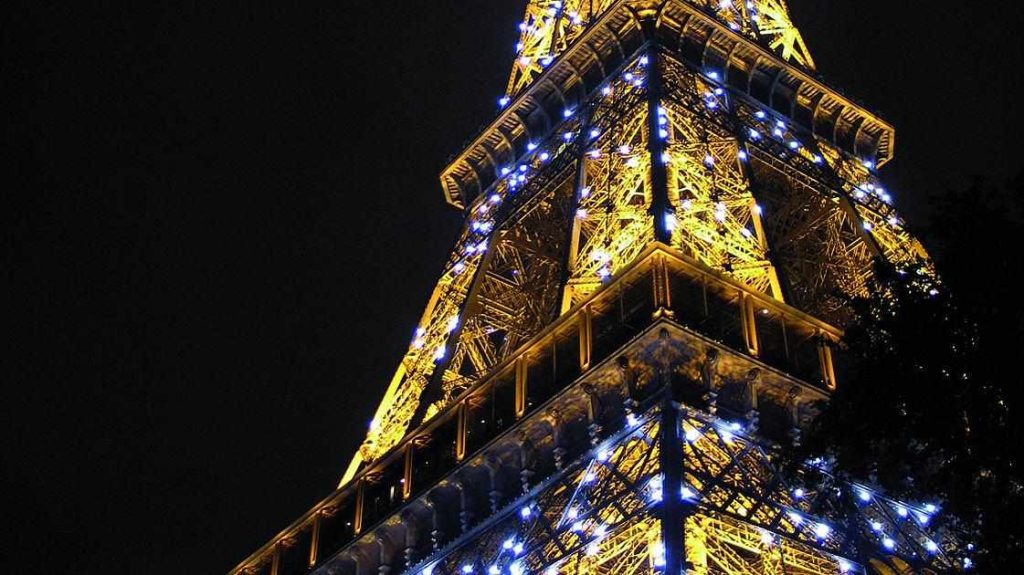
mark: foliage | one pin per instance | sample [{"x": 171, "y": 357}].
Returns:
[{"x": 929, "y": 403}]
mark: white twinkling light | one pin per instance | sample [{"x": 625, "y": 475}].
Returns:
[
  {"x": 822, "y": 531},
  {"x": 658, "y": 554},
  {"x": 655, "y": 488}
]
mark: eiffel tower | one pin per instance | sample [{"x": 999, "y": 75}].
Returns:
[{"x": 663, "y": 228}]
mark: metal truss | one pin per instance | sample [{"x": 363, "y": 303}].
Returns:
[
  {"x": 518, "y": 291},
  {"x": 733, "y": 479},
  {"x": 874, "y": 205},
  {"x": 612, "y": 221},
  {"x": 550, "y": 26},
  {"x": 496, "y": 291},
  {"x": 441, "y": 317},
  {"x": 604, "y": 512},
  {"x": 641, "y": 141},
  {"x": 588, "y": 517},
  {"x": 726, "y": 181},
  {"x": 716, "y": 219}
]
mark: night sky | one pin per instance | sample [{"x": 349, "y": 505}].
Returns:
[{"x": 226, "y": 221}]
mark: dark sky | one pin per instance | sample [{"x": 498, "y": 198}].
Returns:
[{"x": 226, "y": 222}]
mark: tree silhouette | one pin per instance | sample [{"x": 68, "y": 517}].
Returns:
[{"x": 929, "y": 402}]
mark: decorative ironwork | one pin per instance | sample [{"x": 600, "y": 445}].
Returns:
[{"x": 662, "y": 228}]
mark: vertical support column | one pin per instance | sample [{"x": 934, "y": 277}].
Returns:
[
  {"x": 579, "y": 182},
  {"x": 460, "y": 437},
  {"x": 585, "y": 332},
  {"x": 660, "y": 208},
  {"x": 828, "y": 371},
  {"x": 407, "y": 470},
  {"x": 673, "y": 509},
  {"x": 662, "y": 292},
  {"x": 357, "y": 521},
  {"x": 275, "y": 563},
  {"x": 520, "y": 367},
  {"x": 762, "y": 238},
  {"x": 314, "y": 540},
  {"x": 749, "y": 320}
]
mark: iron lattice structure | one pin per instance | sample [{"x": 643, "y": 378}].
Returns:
[{"x": 664, "y": 227}]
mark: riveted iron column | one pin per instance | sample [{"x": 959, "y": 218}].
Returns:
[
  {"x": 673, "y": 509},
  {"x": 660, "y": 208}
]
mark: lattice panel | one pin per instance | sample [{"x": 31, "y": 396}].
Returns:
[
  {"x": 550, "y": 26},
  {"x": 612, "y": 221},
  {"x": 519, "y": 291}
]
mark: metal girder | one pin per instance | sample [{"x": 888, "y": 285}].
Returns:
[
  {"x": 741, "y": 179},
  {"x": 550, "y": 26},
  {"x": 591, "y": 515},
  {"x": 601, "y": 514}
]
